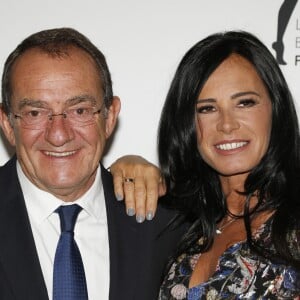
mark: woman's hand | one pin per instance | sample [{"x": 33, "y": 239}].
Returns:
[{"x": 138, "y": 182}]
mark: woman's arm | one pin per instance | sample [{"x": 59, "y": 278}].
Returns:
[{"x": 140, "y": 183}]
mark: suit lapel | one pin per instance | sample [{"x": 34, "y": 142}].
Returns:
[
  {"x": 123, "y": 244},
  {"x": 18, "y": 255}
]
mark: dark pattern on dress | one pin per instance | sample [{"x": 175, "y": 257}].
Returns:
[{"x": 240, "y": 274}]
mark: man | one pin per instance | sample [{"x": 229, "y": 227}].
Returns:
[{"x": 58, "y": 111}]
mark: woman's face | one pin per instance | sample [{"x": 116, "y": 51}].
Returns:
[{"x": 233, "y": 118}]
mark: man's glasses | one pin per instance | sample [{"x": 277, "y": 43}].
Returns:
[{"x": 37, "y": 118}]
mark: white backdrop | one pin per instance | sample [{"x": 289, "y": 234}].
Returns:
[{"x": 143, "y": 42}]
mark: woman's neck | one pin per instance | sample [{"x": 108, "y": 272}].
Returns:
[{"x": 232, "y": 187}]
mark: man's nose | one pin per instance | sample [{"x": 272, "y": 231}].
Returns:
[{"x": 58, "y": 131}]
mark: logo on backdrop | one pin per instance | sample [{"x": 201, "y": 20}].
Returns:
[{"x": 284, "y": 15}]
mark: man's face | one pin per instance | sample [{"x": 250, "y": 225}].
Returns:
[{"x": 59, "y": 157}]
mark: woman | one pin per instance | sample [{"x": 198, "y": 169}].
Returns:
[{"x": 229, "y": 154}]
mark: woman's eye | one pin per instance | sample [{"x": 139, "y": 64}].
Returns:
[
  {"x": 205, "y": 109},
  {"x": 246, "y": 103}
]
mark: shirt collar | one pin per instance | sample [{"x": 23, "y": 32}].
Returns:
[{"x": 41, "y": 204}]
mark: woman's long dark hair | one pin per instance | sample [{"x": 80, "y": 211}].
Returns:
[{"x": 194, "y": 187}]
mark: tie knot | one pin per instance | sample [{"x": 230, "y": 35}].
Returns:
[{"x": 68, "y": 215}]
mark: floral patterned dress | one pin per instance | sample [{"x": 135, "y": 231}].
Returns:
[{"x": 240, "y": 274}]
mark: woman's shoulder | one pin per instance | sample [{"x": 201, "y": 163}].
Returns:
[
  {"x": 291, "y": 237},
  {"x": 293, "y": 240},
  {"x": 291, "y": 228}
]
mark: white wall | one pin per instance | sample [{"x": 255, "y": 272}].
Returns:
[{"x": 143, "y": 42}]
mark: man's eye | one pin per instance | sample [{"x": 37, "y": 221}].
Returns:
[
  {"x": 205, "y": 109},
  {"x": 33, "y": 113},
  {"x": 81, "y": 111},
  {"x": 246, "y": 103}
]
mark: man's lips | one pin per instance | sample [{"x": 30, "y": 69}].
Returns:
[{"x": 59, "y": 154}]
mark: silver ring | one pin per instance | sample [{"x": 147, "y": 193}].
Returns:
[{"x": 129, "y": 180}]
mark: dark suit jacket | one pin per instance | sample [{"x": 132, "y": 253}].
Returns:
[{"x": 137, "y": 256}]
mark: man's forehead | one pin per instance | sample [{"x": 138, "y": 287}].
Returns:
[
  {"x": 35, "y": 60},
  {"x": 68, "y": 79},
  {"x": 69, "y": 52}
]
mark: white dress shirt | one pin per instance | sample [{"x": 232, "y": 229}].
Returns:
[{"x": 90, "y": 233}]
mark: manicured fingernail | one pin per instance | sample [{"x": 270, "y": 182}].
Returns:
[
  {"x": 119, "y": 197},
  {"x": 130, "y": 212},
  {"x": 140, "y": 218},
  {"x": 149, "y": 215}
]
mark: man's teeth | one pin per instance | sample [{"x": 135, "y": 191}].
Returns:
[
  {"x": 231, "y": 146},
  {"x": 59, "y": 154}
]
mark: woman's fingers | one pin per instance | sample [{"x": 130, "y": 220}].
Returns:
[
  {"x": 138, "y": 182},
  {"x": 118, "y": 183}
]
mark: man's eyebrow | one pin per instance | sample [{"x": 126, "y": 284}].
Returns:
[
  {"x": 43, "y": 104},
  {"x": 82, "y": 98},
  {"x": 31, "y": 102}
]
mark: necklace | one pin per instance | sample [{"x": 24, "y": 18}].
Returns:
[{"x": 219, "y": 230}]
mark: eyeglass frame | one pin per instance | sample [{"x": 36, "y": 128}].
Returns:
[{"x": 50, "y": 116}]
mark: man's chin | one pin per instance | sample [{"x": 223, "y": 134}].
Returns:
[{"x": 60, "y": 186}]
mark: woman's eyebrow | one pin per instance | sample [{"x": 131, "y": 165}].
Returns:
[
  {"x": 208, "y": 100},
  {"x": 234, "y": 96},
  {"x": 240, "y": 94}
]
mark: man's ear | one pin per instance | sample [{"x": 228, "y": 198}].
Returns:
[
  {"x": 112, "y": 116},
  {"x": 7, "y": 128}
]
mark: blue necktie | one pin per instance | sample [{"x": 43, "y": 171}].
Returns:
[{"x": 68, "y": 276}]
